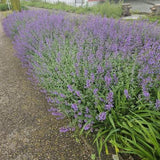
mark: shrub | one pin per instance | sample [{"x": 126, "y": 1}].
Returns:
[
  {"x": 3, "y": 7},
  {"x": 101, "y": 73},
  {"x": 109, "y": 9}
]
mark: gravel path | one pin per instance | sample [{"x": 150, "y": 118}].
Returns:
[{"x": 27, "y": 130}]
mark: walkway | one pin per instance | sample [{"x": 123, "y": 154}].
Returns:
[{"x": 142, "y": 5}]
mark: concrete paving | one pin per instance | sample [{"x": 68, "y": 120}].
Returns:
[
  {"x": 134, "y": 17},
  {"x": 142, "y": 6}
]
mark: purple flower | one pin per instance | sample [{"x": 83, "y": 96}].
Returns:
[
  {"x": 66, "y": 129},
  {"x": 57, "y": 114},
  {"x": 108, "y": 80},
  {"x": 87, "y": 127},
  {"x": 88, "y": 116},
  {"x": 78, "y": 93},
  {"x": 79, "y": 125},
  {"x": 110, "y": 97},
  {"x": 101, "y": 99},
  {"x": 75, "y": 116},
  {"x": 95, "y": 91},
  {"x": 92, "y": 77},
  {"x": 59, "y": 118},
  {"x": 146, "y": 94},
  {"x": 108, "y": 106},
  {"x": 87, "y": 110},
  {"x": 102, "y": 116},
  {"x": 85, "y": 73},
  {"x": 88, "y": 83},
  {"x": 126, "y": 94},
  {"x": 115, "y": 79},
  {"x": 157, "y": 104},
  {"x": 63, "y": 129},
  {"x": 79, "y": 113},
  {"x": 55, "y": 93},
  {"x": 74, "y": 107},
  {"x": 70, "y": 88},
  {"x": 79, "y": 101},
  {"x": 62, "y": 95},
  {"x": 53, "y": 109},
  {"x": 100, "y": 69}
]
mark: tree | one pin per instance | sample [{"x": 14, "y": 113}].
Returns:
[{"x": 15, "y": 5}]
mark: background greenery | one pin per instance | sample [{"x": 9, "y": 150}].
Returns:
[
  {"x": 3, "y": 7},
  {"x": 108, "y": 9}
]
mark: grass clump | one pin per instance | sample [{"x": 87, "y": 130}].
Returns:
[
  {"x": 109, "y": 9},
  {"x": 153, "y": 18}
]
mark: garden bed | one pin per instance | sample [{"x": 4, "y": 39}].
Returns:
[{"x": 103, "y": 74}]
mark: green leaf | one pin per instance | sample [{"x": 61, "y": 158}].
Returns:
[{"x": 111, "y": 120}]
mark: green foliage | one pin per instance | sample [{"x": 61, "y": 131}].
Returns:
[
  {"x": 23, "y": 7},
  {"x": 140, "y": 134},
  {"x": 153, "y": 18},
  {"x": 136, "y": 133},
  {"x": 3, "y": 7},
  {"x": 108, "y": 9},
  {"x": 93, "y": 156}
]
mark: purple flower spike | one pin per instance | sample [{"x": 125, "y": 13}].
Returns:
[
  {"x": 100, "y": 69},
  {"x": 87, "y": 110},
  {"x": 57, "y": 114},
  {"x": 108, "y": 106},
  {"x": 63, "y": 129},
  {"x": 74, "y": 107},
  {"x": 157, "y": 104},
  {"x": 70, "y": 88},
  {"x": 78, "y": 93},
  {"x": 88, "y": 83},
  {"x": 62, "y": 95},
  {"x": 110, "y": 97},
  {"x": 108, "y": 80},
  {"x": 92, "y": 77},
  {"x": 53, "y": 109},
  {"x": 95, "y": 91},
  {"x": 126, "y": 94},
  {"x": 146, "y": 94},
  {"x": 79, "y": 125},
  {"x": 66, "y": 129},
  {"x": 102, "y": 116},
  {"x": 87, "y": 127}
]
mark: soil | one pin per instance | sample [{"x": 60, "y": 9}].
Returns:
[{"x": 27, "y": 130}]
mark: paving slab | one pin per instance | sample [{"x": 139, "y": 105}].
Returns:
[{"x": 140, "y": 6}]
